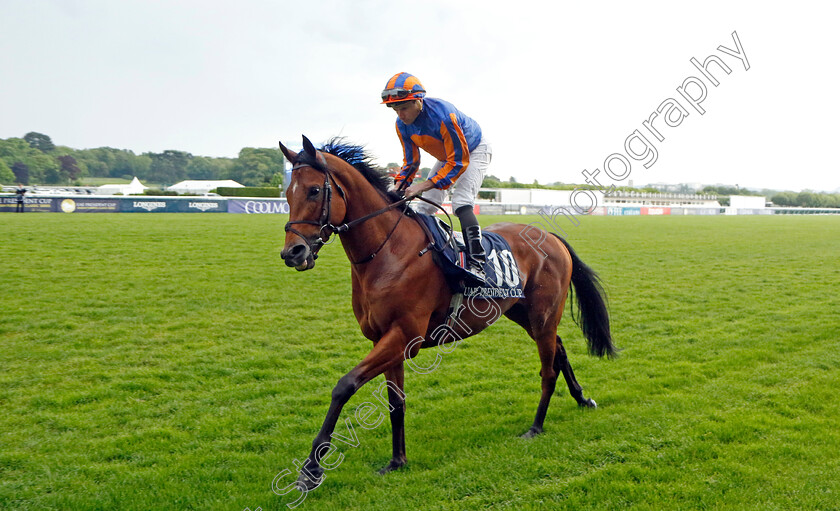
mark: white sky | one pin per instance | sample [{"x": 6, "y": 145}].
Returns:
[{"x": 557, "y": 87}]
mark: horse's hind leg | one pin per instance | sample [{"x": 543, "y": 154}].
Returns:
[
  {"x": 561, "y": 364},
  {"x": 549, "y": 368},
  {"x": 549, "y": 373}
]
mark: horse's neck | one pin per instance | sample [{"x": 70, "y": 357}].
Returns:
[{"x": 367, "y": 237}]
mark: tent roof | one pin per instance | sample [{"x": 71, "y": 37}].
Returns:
[
  {"x": 205, "y": 182},
  {"x": 134, "y": 186}
]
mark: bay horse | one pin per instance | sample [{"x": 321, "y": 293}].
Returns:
[{"x": 400, "y": 298}]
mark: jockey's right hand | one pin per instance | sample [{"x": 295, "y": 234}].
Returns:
[{"x": 401, "y": 185}]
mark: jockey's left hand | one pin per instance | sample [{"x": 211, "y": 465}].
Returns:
[{"x": 417, "y": 188}]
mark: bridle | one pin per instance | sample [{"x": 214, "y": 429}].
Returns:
[{"x": 323, "y": 223}]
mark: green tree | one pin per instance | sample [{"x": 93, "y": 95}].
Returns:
[
  {"x": 276, "y": 180},
  {"x": 256, "y": 166},
  {"x": 807, "y": 199},
  {"x": 110, "y": 162},
  {"x": 141, "y": 166},
  {"x": 69, "y": 167},
  {"x": 6, "y": 174},
  {"x": 126, "y": 164},
  {"x": 98, "y": 161},
  {"x": 40, "y": 165},
  {"x": 491, "y": 181},
  {"x": 14, "y": 150},
  {"x": 17, "y": 150},
  {"x": 784, "y": 199},
  {"x": 202, "y": 167},
  {"x": 21, "y": 171},
  {"x": 53, "y": 176},
  {"x": 168, "y": 167},
  {"x": 39, "y": 141}
]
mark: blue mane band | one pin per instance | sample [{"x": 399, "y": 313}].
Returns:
[{"x": 356, "y": 156}]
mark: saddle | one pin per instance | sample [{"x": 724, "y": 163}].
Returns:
[{"x": 449, "y": 253}]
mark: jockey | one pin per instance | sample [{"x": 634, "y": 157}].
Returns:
[{"x": 462, "y": 154}]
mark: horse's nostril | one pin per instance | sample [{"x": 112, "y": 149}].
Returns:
[
  {"x": 291, "y": 252},
  {"x": 295, "y": 255}
]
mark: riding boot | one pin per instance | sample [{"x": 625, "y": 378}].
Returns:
[
  {"x": 475, "y": 253},
  {"x": 472, "y": 240}
]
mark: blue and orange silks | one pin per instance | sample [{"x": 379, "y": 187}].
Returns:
[{"x": 442, "y": 131}]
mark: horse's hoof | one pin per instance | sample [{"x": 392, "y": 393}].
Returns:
[
  {"x": 588, "y": 403},
  {"x": 531, "y": 433},
  {"x": 306, "y": 483},
  {"x": 393, "y": 465}
]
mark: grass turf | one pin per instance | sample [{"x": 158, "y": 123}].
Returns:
[{"x": 172, "y": 362}]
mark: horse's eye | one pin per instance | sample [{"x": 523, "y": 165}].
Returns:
[{"x": 314, "y": 191}]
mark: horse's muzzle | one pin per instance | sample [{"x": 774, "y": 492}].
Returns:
[{"x": 299, "y": 257}]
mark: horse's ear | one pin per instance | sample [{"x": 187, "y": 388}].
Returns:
[
  {"x": 288, "y": 153},
  {"x": 308, "y": 147},
  {"x": 310, "y": 150}
]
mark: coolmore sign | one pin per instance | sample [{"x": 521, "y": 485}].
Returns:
[{"x": 258, "y": 206}]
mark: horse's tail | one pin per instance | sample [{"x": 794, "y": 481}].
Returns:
[{"x": 592, "y": 315}]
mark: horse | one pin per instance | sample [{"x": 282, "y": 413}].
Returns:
[{"x": 400, "y": 298}]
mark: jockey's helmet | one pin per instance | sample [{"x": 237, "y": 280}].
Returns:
[{"x": 402, "y": 87}]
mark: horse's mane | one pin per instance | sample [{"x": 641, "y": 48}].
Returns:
[{"x": 362, "y": 161}]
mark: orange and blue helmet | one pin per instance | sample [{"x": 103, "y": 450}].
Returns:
[{"x": 402, "y": 87}]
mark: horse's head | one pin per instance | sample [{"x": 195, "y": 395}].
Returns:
[{"x": 313, "y": 208}]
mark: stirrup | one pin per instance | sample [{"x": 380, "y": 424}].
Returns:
[{"x": 476, "y": 274}]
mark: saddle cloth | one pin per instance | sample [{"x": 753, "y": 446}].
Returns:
[{"x": 448, "y": 250}]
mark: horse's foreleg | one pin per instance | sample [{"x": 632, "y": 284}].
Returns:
[
  {"x": 386, "y": 354},
  {"x": 561, "y": 364},
  {"x": 396, "y": 401}
]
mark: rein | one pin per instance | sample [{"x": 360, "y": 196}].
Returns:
[{"x": 346, "y": 227}]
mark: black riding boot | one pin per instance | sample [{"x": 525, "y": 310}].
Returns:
[{"x": 472, "y": 239}]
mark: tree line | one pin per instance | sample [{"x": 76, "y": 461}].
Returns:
[
  {"x": 807, "y": 199},
  {"x": 35, "y": 159},
  {"x": 803, "y": 199}
]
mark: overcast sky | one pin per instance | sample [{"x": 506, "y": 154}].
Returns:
[{"x": 557, "y": 87}]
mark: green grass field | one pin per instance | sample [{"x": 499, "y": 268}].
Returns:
[{"x": 157, "y": 361}]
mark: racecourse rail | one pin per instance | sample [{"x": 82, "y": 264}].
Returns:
[{"x": 199, "y": 204}]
